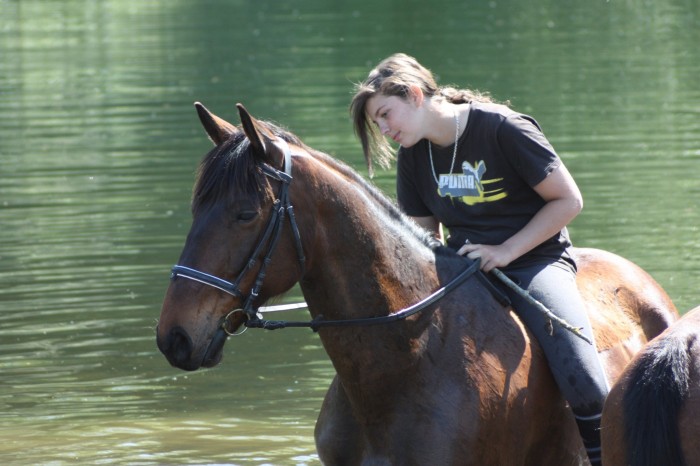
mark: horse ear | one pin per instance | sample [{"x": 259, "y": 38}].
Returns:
[
  {"x": 260, "y": 137},
  {"x": 218, "y": 129}
]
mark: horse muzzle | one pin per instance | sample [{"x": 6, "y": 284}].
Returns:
[{"x": 178, "y": 348}]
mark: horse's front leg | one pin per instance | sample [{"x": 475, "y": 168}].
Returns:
[{"x": 339, "y": 439}]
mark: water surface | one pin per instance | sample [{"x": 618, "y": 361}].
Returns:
[{"x": 99, "y": 142}]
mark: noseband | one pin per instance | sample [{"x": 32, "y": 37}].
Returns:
[{"x": 270, "y": 237}]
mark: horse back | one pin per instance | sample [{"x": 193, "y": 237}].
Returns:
[{"x": 626, "y": 306}]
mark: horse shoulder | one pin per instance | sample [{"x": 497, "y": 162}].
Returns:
[{"x": 507, "y": 377}]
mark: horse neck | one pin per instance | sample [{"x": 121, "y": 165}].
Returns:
[{"x": 367, "y": 259}]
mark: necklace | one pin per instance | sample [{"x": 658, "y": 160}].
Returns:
[{"x": 454, "y": 152}]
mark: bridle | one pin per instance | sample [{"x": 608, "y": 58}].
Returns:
[
  {"x": 281, "y": 206},
  {"x": 271, "y": 236}
]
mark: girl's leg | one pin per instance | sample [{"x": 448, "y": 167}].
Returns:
[{"x": 574, "y": 362}]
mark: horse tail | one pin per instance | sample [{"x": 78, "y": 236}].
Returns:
[{"x": 658, "y": 385}]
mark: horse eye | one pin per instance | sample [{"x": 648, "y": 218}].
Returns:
[{"x": 246, "y": 215}]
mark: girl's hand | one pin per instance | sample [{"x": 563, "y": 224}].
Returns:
[{"x": 492, "y": 256}]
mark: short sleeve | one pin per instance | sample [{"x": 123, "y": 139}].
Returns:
[{"x": 527, "y": 149}]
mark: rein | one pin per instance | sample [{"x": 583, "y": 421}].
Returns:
[{"x": 421, "y": 305}]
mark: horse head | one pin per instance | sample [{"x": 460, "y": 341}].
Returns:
[{"x": 240, "y": 211}]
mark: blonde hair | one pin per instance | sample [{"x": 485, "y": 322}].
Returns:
[{"x": 395, "y": 76}]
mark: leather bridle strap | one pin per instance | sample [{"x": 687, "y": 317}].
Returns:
[
  {"x": 270, "y": 238},
  {"x": 319, "y": 321},
  {"x": 205, "y": 278}
]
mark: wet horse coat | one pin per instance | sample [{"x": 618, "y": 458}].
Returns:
[{"x": 459, "y": 383}]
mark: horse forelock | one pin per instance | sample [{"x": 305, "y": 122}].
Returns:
[{"x": 230, "y": 171}]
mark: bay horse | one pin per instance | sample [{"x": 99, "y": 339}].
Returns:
[
  {"x": 652, "y": 415},
  {"x": 460, "y": 382}
]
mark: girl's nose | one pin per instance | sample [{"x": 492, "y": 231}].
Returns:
[{"x": 384, "y": 128}]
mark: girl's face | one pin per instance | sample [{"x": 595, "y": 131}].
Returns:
[{"x": 396, "y": 117}]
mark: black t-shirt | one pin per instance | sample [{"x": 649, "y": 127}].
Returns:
[{"x": 501, "y": 156}]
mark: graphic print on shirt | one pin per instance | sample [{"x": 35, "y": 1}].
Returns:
[{"x": 468, "y": 186}]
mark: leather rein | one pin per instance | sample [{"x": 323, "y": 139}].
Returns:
[{"x": 271, "y": 236}]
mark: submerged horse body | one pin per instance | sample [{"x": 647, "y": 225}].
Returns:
[
  {"x": 461, "y": 382},
  {"x": 652, "y": 416}
]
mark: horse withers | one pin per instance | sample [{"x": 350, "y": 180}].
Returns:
[
  {"x": 460, "y": 382},
  {"x": 652, "y": 415}
]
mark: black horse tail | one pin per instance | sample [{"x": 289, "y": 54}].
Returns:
[{"x": 658, "y": 385}]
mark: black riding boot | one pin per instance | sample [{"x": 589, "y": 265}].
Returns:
[{"x": 589, "y": 428}]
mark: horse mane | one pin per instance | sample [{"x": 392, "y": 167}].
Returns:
[
  {"x": 387, "y": 205},
  {"x": 229, "y": 171},
  {"x": 659, "y": 382}
]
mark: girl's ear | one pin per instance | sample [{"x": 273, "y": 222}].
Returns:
[{"x": 416, "y": 95}]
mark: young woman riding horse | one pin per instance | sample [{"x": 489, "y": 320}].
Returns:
[
  {"x": 510, "y": 199},
  {"x": 459, "y": 383}
]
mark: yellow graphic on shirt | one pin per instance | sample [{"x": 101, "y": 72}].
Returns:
[{"x": 468, "y": 186}]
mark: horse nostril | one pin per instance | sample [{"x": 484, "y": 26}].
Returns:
[{"x": 177, "y": 347}]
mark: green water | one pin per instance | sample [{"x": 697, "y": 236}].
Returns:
[{"x": 99, "y": 142}]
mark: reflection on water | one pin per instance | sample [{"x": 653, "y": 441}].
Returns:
[{"x": 99, "y": 142}]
